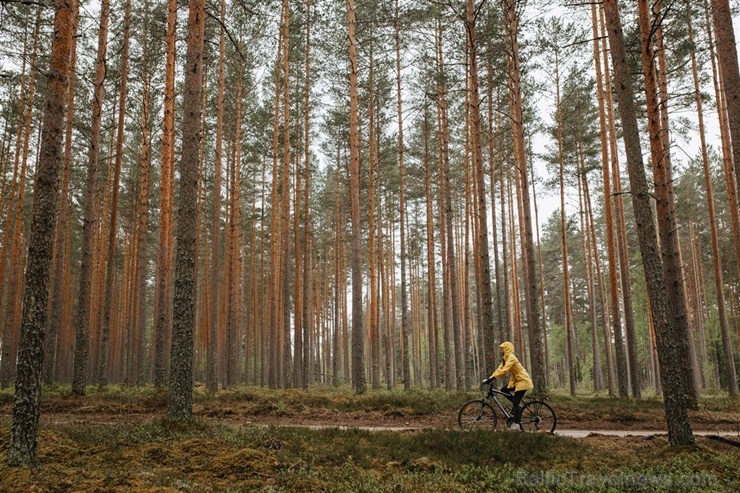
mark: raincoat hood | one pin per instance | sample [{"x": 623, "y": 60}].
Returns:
[{"x": 508, "y": 348}]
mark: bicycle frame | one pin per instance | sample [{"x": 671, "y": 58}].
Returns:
[{"x": 492, "y": 394}]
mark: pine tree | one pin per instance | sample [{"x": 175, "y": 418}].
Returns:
[
  {"x": 24, "y": 428},
  {"x": 180, "y": 401},
  {"x": 671, "y": 364},
  {"x": 358, "y": 329}
]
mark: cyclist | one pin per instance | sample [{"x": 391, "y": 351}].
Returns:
[{"x": 519, "y": 379}]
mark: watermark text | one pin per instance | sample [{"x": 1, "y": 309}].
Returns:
[{"x": 618, "y": 480}]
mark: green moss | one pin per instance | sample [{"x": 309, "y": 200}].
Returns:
[{"x": 207, "y": 455}]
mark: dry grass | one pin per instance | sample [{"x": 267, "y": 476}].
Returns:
[
  {"x": 116, "y": 441},
  {"x": 204, "y": 457}
]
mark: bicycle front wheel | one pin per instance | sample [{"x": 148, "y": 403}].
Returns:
[
  {"x": 476, "y": 413},
  {"x": 538, "y": 417}
]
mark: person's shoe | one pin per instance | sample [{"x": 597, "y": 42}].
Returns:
[{"x": 513, "y": 425}]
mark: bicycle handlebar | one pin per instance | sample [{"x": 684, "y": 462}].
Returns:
[{"x": 492, "y": 390}]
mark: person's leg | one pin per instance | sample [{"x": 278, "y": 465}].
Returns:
[
  {"x": 516, "y": 400},
  {"x": 508, "y": 392}
]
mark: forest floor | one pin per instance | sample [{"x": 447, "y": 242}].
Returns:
[
  {"x": 251, "y": 439},
  {"x": 324, "y": 406}
]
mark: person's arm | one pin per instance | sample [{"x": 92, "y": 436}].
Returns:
[{"x": 504, "y": 368}]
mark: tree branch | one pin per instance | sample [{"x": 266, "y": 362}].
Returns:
[{"x": 226, "y": 30}]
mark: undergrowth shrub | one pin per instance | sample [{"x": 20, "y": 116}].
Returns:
[{"x": 200, "y": 455}]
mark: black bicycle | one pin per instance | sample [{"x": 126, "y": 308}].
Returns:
[{"x": 537, "y": 416}]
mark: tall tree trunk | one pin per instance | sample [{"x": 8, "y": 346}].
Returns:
[
  {"x": 345, "y": 336},
  {"x": 163, "y": 313},
  {"x": 512, "y": 260},
  {"x": 449, "y": 361},
  {"x": 516, "y": 261},
  {"x": 358, "y": 330},
  {"x": 387, "y": 328},
  {"x": 213, "y": 330},
  {"x": 541, "y": 272},
  {"x": 475, "y": 350},
  {"x": 608, "y": 214},
  {"x": 335, "y": 352},
  {"x": 24, "y": 428},
  {"x": 719, "y": 283},
  {"x": 405, "y": 329},
  {"x": 274, "y": 287},
  {"x": 58, "y": 290},
  {"x": 593, "y": 271},
  {"x": 373, "y": 308},
  {"x": 303, "y": 343},
  {"x": 721, "y": 96},
  {"x": 112, "y": 231},
  {"x": 492, "y": 160},
  {"x": 5, "y": 360},
  {"x": 100, "y": 246},
  {"x": 82, "y": 319},
  {"x": 453, "y": 353},
  {"x": 569, "y": 343},
  {"x": 287, "y": 363},
  {"x": 621, "y": 230},
  {"x": 665, "y": 207},
  {"x": 536, "y": 343},
  {"x": 251, "y": 340},
  {"x": 143, "y": 225},
  {"x": 697, "y": 301},
  {"x": 298, "y": 258},
  {"x": 484, "y": 261},
  {"x": 180, "y": 400},
  {"x": 670, "y": 354},
  {"x": 13, "y": 218},
  {"x": 233, "y": 324},
  {"x": 431, "y": 275},
  {"x": 727, "y": 54},
  {"x": 264, "y": 311},
  {"x": 695, "y": 379},
  {"x": 131, "y": 318},
  {"x": 503, "y": 180}
]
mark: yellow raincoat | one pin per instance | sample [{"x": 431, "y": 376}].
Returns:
[{"x": 519, "y": 379}]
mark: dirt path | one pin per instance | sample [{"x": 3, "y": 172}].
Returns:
[
  {"x": 374, "y": 422},
  {"x": 577, "y": 421},
  {"x": 641, "y": 433}
]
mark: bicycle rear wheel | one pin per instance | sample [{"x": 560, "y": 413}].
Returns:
[
  {"x": 476, "y": 413},
  {"x": 538, "y": 417}
]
